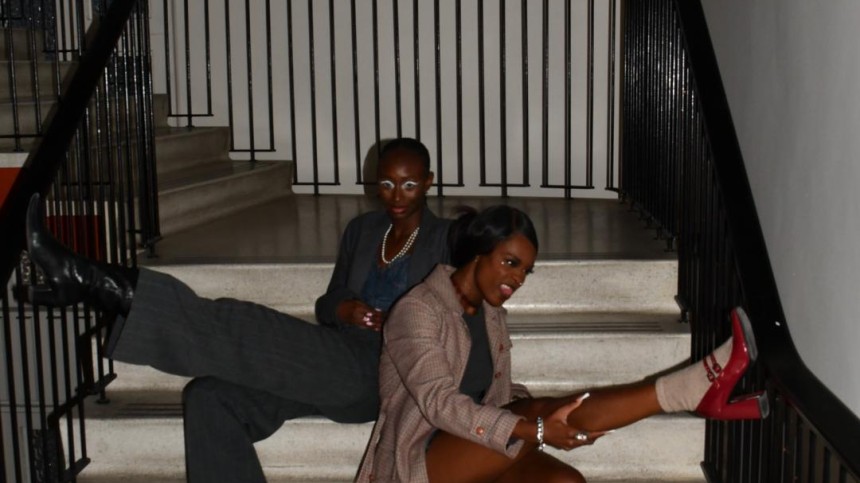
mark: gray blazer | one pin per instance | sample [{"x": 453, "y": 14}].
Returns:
[{"x": 359, "y": 250}]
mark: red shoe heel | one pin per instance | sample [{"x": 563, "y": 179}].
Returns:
[{"x": 715, "y": 404}]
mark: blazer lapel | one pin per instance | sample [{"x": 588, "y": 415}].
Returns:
[
  {"x": 494, "y": 333},
  {"x": 369, "y": 243},
  {"x": 423, "y": 249}
]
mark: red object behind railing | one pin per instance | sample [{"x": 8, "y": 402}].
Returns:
[
  {"x": 7, "y": 177},
  {"x": 80, "y": 233}
]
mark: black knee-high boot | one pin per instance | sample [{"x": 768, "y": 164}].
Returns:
[{"x": 71, "y": 278}]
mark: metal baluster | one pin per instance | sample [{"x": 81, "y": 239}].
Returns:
[
  {"x": 440, "y": 174},
  {"x": 333, "y": 67}
]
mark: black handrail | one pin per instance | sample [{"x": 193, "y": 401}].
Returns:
[
  {"x": 683, "y": 167},
  {"x": 42, "y": 165},
  {"x": 96, "y": 158},
  {"x": 838, "y": 425}
]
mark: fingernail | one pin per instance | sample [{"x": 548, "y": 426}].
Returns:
[
  {"x": 368, "y": 323},
  {"x": 368, "y": 314},
  {"x": 608, "y": 432},
  {"x": 584, "y": 396}
]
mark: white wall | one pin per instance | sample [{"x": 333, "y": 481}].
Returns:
[{"x": 791, "y": 69}]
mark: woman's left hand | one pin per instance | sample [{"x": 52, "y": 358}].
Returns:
[{"x": 558, "y": 434}]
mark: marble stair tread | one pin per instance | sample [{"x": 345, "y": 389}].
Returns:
[
  {"x": 557, "y": 358},
  {"x": 180, "y": 148},
  {"x": 26, "y": 115},
  {"x": 87, "y": 478},
  {"x": 21, "y": 40},
  {"x": 606, "y": 289},
  {"x": 305, "y": 228},
  {"x": 664, "y": 447},
  {"x": 24, "y": 84},
  {"x": 200, "y": 194},
  {"x": 210, "y": 172}
]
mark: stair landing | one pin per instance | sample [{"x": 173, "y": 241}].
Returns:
[{"x": 306, "y": 228}]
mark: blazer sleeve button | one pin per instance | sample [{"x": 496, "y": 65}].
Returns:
[{"x": 479, "y": 431}]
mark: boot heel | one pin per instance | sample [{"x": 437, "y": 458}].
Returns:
[
  {"x": 741, "y": 325},
  {"x": 750, "y": 406}
]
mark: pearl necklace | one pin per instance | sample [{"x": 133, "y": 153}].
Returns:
[{"x": 406, "y": 246}]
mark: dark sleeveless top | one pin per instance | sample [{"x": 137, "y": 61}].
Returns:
[{"x": 479, "y": 369}]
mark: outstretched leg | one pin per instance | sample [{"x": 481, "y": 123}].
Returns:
[
  {"x": 222, "y": 423},
  {"x": 701, "y": 387},
  {"x": 161, "y": 322},
  {"x": 172, "y": 329}
]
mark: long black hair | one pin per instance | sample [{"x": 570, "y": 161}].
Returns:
[{"x": 476, "y": 233}]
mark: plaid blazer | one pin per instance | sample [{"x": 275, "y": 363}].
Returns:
[{"x": 426, "y": 348}]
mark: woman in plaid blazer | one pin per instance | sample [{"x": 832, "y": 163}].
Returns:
[{"x": 449, "y": 411}]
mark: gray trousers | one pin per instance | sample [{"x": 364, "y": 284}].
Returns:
[{"x": 257, "y": 367}]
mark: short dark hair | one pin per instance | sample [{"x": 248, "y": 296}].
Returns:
[
  {"x": 476, "y": 233},
  {"x": 407, "y": 144}
]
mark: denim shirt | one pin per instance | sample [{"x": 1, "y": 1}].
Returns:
[{"x": 384, "y": 285}]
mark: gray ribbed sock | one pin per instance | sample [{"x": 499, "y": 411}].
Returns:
[{"x": 682, "y": 390}]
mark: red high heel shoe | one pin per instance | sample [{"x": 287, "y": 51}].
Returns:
[{"x": 716, "y": 404}]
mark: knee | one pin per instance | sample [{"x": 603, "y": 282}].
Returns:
[
  {"x": 199, "y": 391},
  {"x": 565, "y": 475}
]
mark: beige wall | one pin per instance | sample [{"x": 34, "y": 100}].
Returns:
[{"x": 792, "y": 70}]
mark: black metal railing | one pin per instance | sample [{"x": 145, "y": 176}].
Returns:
[
  {"x": 93, "y": 164},
  {"x": 682, "y": 164},
  {"x": 502, "y": 92}
]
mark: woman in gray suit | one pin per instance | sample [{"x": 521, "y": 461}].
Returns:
[
  {"x": 449, "y": 410},
  {"x": 255, "y": 367}
]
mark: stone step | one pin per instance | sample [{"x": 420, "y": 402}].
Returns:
[
  {"x": 552, "y": 359},
  {"x": 575, "y": 324},
  {"x": 590, "y": 290},
  {"x": 204, "y": 193},
  {"x": 616, "y": 329},
  {"x": 161, "y": 108},
  {"x": 147, "y": 443},
  {"x": 24, "y": 79},
  {"x": 87, "y": 478},
  {"x": 21, "y": 40},
  {"x": 28, "y": 117},
  {"x": 179, "y": 149}
]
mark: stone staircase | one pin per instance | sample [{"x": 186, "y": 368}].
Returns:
[
  {"x": 575, "y": 324},
  {"x": 579, "y": 322},
  {"x": 197, "y": 180}
]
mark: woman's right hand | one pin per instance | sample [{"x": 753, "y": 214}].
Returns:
[{"x": 358, "y": 313}]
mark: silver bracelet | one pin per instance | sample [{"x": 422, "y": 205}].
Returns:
[{"x": 541, "y": 445}]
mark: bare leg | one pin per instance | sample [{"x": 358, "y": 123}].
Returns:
[
  {"x": 537, "y": 466},
  {"x": 612, "y": 407},
  {"x": 707, "y": 382},
  {"x": 452, "y": 459}
]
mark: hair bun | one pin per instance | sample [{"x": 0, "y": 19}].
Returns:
[{"x": 478, "y": 232}]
